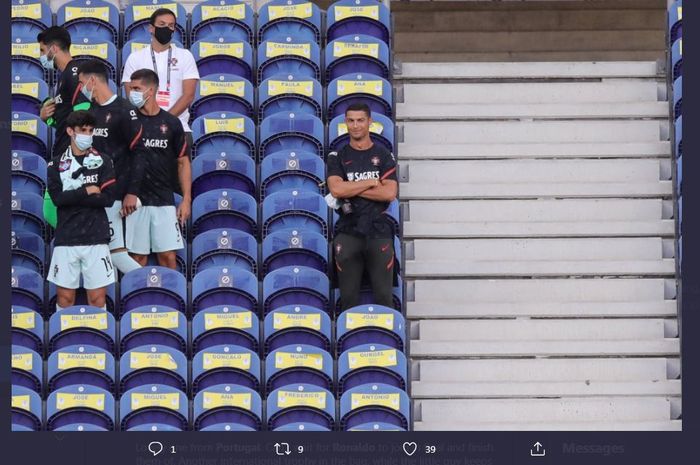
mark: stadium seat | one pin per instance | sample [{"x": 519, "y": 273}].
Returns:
[
  {"x": 95, "y": 18},
  {"x": 152, "y": 364},
  {"x": 677, "y": 59},
  {"x": 228, "y": 427},
  {"x": 216, "y": 54},
  {"x": 227, "y": 404},
  {"x": 295, "y": 18},
  {"x": 357, "y": 53},
  {"x": 134, "y": 46},
  {"x": 26, "y": 409},
  {"x": 295, "y": 247},
  {"x": 27, "y": 369},
  {"x": 371, "y": 363},
  {"x": 224, "y": 286},
  {"x": 288, "y": 93},
  {"x": 297, "y": 324},
  {"x": 358, "y": 17},
  {"x": 679, "y": 136},
  {"x": 675, "y": 20},
  {"x": 153, "y": 285},
  {"x": 295, "y": 285},
  {"x": 370, "y": 324},
  {"x": 678, "y": 98},
  {"x": 223, "y": 92},
  {"x": 28, "y": 93},
  {"x": 291, "y": 169},
  {"x": 381, "y": 132},
  {"x": 154, "y": 405},
  {"x": 28, "y": 251},
  {"x": 79, "y": 427},
  {"x": 82, "y": 404},
  {"x": 301, "y": 427},
  {"x": 224, "y": 170},
  {"x": 222, "y": 208},
  {"x": 30, "y": 134},
  {"x": 222, "y": 324},
  {"x": 181, "y": 255},
  {"x": 30, "y": 17},
  {"x": 298, "y": 364},
  {"x": 299, "y": 403},
  {"x": 366, "y": 88},
  {"x": 28, "y": 213},
  {"x": 25, "y": 59},
  {"x": 376, "y": 426},
  {"x": 291, "y": 132},
  {"x": 374, "y": 404},
  {"x": 91, "y": 47},
  {"x": 288, "y": 55},
  {"x": 225, "y": 364},
  {"x": 153, "y": 324},
  {"x": 81, "y": 364},
  {"x": 223, "y": 131},
  {"x": 224, "y": 247},
  {"x": 82, "y": 325},
  {"x": 28, "y": 172},
  {"x": 27, "y": 289},
  {"x": 138, "y": 13},
  {"x": 295, "y": 209},
  {"x": 232, "y": 19},
  {"x": 81, "y": 297},
  {"x": 27, "y": 328}
]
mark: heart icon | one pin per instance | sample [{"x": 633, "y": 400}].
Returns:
[{"x": 410, "y": 448}]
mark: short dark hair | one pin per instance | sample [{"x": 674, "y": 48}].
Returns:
[
  {"x": 359, "y": 106},
  {"x": 55, "y": 35},
  {"x": 161, "y": 12},
  {"x": 94, "y": 67},
  {"x": 148, "y": 76},
  {"x": 80, "y": 118}
]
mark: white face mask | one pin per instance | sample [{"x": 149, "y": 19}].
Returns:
[{"x": 83, "y": 141}]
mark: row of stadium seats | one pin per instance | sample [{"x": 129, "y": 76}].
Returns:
[{"x": 675, "y": 35}]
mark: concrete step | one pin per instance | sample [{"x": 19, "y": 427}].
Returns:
[
  {"x": 466, "y": 425},
  {"x": 475, "y": 56}
]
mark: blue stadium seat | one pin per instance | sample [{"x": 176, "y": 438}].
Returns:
[
  {"x": 28, "y": 213},
  {"x": 28, "y": 172},
  {"x": 300, "y": 19},
  {"x": 370, "y": 324},
  {"x": 295, "y": 209},
  {"x": 134, "y": 46},
  {"x": 296, "y": 285},
  {"x": 677, "y": 59},
  {"x": 298, "y": 364},
  {"x": 138, "y": 13},
  {"x": 227, "y": 404},
  {"x": 26, "y": 409},
  {"x": 297, "y": 324},
  {"x": 301, "y": 403},
  {"x": 181, "y": 255},
  {"x": 291, "y": 131},
  {"x": 78, "y": 427},
  {"x": 224, "y": 286},
  {"x": 675, "y": 20},
  {"x": 288, "y": 93},
  {"x": 28, "y": 93},
  {"x": 27, "y": 289},
  {"x": 152, "y": 364},
  {"x": 367, "y": 88},
  {"x": 376, "y": 426},
  {"x": 223, "y": 55},
  {"x": 295, "y": 247},
  {"x": 223, "y": 324},
  {"x": 81, "y": 297},
  {"x": 30, "y": 17},
  {"x": 225, "y": 170},
  {"x": 82, "y": 404},
  {"x": 28, "y": 251},
  {"x": 224, "y": 247},
  {"x": 221, "y": 208},
  {"x": 81, "y": 364},
  {"x": 228, "y": 427},
  {"x": 86, "y": 47},
  {"x": 678, "y": 98},
  {"x": 153, "y": 285},
  {"x": 96, "y": 18},
  {"x": 222, "y": 18},
  {"x": 292, "y": 169},
  {"x": 25, "y": 59},
  {"x": 358, "y": 17},
  {"x": 679, "y": 136},
  {"x": 374, "y": 404},
  {"x": 301, "y": 427},
  {"x": 223, "y": 92},
  {"x": 29, "y": 134},
  {"x": 27, "y": 328},
  {"x": 381, "y": 131},
  {"x": 223, "y": 131},
  {"x": 225, "y": 364},
  {"x": 27, "y": 369},
  {"x": 288, "y": 55},
  {"x": 82, "y": 325},
  {"x": 371, "y": 363},
  {"x": 153, "y": 324},
  {"x": 357, "y": 53},
  {"x": 154, "y": 405}
]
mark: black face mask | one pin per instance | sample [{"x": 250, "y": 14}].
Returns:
[{"x": 163, "y": 35}]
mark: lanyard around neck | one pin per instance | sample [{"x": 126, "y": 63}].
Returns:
[{"x": 155, "y": 65}]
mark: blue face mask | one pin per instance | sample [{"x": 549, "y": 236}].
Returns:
[
  {"x": 87, "y": 93},
  {"x": 45, "y": 62},
  {"x": 83, "y": 141},
  {"x": 136, "y": 98}
]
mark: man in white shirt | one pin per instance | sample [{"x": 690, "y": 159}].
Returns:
[{"x": 176, "y": 68}]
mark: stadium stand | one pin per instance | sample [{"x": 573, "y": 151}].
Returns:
[{"x": 90, "y": 18}]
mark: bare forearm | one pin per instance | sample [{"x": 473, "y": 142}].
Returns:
[
  {"x": 379, "y": 194},
  {"x": 181, "y": 105},
  {"x": 185, "y": 176},
  {"x": 349, "y": 189}
]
